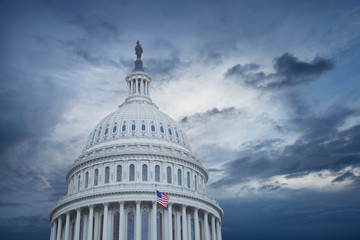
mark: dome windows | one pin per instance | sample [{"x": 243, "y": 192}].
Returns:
[
  {"x": 106, "y": 131},
  {"x": 177, "y": 135},
  {"x": 133, "y": 127},
  {"x": 143, "y": 128},
  {"x": 96, "y": 177},
  {"x": 170, "y": 132},
  {"x": 162, "y": 129},
  {"x": 132, "y": 172},
  {"x": 119, "y": 173},
  {"x": 152, "y": 128},
  {"x": 114, "y": 129},
  {"x": 123, "y": 128},
  {"x": 98, "y": 135},
  {"x": 144, "y": 172}
]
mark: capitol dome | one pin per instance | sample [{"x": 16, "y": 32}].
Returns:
[
  {"x": 132, "y": 156},
  {"x": 137, "y": 120}
]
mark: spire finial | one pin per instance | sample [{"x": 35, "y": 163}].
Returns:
[
  {"x": 138, "y": 49},
  {"x": 138, "y": 62}
]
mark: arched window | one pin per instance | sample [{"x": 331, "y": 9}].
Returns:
[
  {"x": 96, "y": 177},
  {"x": 86, "y": 179},
  {"x": 159, "y": 226},
  {"x": 157, "y": 173},
  {"x": 145, "y": 226},
  {"x": 131, "y": 226},
  {"x": 107, "y": 174},
  {"x": 152, "y": 128},
  {"x": 133, "y": 127},
  {"x": 143, "y": 127},
  {"x": 132, "y": 172},
  {"x": 144, "y": 172},
  {"x": 177, "y": 135},
  {"x": 116, "y": 226},
  {"x": 161, "y": 129},
  {"x": 119, "y": 173},
  {"x": 114, "y": 129},
  {"x": 188, "y": 179},
  {"x": 195, "y": 182},
  {"x": 106, "y": 131},
  {"x": 123, "y": 128},
  {"x": 99, "y": 133},
  {"x": 170, "y": 132},
  {"x": 179, "y": 177},
  {"x": 168, "y": 174}
]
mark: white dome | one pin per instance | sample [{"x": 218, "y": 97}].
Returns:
[
  {"x": 130, "y": 157},
  {"x": 137, "y": 121}
]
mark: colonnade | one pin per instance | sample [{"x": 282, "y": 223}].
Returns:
[
  {"x": 134, "y": 87},
  {"x": 176, "y": 222}
]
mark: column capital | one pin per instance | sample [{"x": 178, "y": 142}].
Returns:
[
  {"x": 91, "y": 206},
  {"x": 138, "y": 202},
  {"x": 78, "y": 210},
  {"x": 121, "y": 202},
  {"x": 106, "y": 204}
]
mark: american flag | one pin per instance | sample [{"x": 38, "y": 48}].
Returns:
[{"x": 162, "y": 199}]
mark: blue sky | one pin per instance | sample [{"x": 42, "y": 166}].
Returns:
[{"x": 268, "y": 93}]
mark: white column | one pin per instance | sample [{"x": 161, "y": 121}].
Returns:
[
  {"x": 213, "y": 231},
  {"x": 184, "y": 224},
  {"x": 59, "y": 228},
  {"x": 178, "y": 226},
  {"x": 196, "y": 224},
  {"x": 170, "y": 221},
  {"x": 206, "y": 226},
  {"x": 218, "y": 229},
  {"x": 121, "y": 221},
  {"x": 97, "y": 225},
  {"x": 131, "y": 86},
  {"x": 67, "y": 226},
  {"x": 77, "y": 223},
  {"x": 189, "y": 225},
  {"x": 147, "y": 87},
  {"x": 145, "y": 92},
  {"x": 91, "y": 222},
  {"x": 138, "y": 221},
  {"x": 137, "y": 86},
  {"x": 53, "y": 230},
  {"x": 85, "y": 226},
  {"x": 141, "y": 86},
  {"x": 153, "y": 221},
  {"x": 106, "y": 210}
]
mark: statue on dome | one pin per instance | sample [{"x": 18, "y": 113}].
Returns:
[{"x": 138, "y": 49}]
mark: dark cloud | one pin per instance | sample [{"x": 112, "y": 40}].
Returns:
[
  {"x": 321, "y": 146},
  {"x": 289, "y": 71},
  {"x": 345, "y": 176},
  {"x": 226, "y": 113},
  {"x": 30, "y": 108}
]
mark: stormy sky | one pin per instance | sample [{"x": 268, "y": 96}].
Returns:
[{"x": 268, "y": 93}]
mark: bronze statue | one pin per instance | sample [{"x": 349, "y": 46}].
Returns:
[{"x": 138, "y": 49}]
